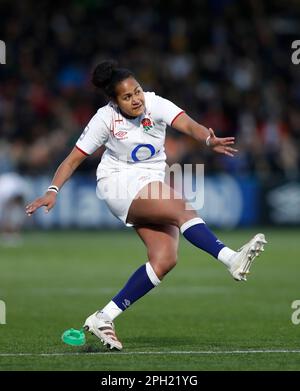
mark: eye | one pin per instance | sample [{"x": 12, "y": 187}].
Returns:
[
  {"x": 137, "y": 92},
  {"x": 126, "y": 98}
]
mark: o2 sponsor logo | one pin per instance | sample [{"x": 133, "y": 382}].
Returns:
[{"x": 142, "y": 152}]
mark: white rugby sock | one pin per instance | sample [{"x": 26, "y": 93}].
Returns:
[
  {"x": 111, "y": 310},
  {"x": 225, "y": 255}
]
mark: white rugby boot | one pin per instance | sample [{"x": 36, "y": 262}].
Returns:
[
  {"x": 103, "y": 328},
  {"x": 241, "y": 261}
]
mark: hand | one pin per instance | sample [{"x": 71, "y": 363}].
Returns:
[
  {"x": 221, "y": 145},
  {"x": 48, "y": 200}
]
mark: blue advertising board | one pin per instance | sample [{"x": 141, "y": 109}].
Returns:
[{"x": 228, "y": 202}]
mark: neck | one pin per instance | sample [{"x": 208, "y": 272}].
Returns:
[{"x": 127, "y": 116}]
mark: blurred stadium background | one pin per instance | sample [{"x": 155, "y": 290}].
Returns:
[{"x": 228, "y": 64}]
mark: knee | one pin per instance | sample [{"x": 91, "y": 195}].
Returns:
[
  {"x": 163, "y": 262},
  {"x": 185, "y": 216}
]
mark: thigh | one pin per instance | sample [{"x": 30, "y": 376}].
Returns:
[
  {"x": 157, "y": 203},
  {"x": 159, "y": 237}
]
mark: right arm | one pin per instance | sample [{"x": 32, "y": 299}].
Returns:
[{"x": 63, "y": 173}]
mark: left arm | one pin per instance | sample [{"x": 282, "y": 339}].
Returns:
[{"x": 187, "y": 125}]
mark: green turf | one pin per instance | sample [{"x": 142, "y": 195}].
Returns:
[{"x": 55, "y": 280}]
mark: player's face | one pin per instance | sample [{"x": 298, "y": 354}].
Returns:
[{"x": 130, "y": 97}]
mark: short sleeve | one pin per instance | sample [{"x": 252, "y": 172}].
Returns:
[
  {"x": 94, "y": 135},
  {"x": 164, "y": 110}
]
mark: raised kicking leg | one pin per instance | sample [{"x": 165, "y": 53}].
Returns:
[{"x": 166, "y": 208}]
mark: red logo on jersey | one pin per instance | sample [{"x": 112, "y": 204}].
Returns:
[
  {"x": 147, "y": 124},
  {"x": 120, "y": 134}
]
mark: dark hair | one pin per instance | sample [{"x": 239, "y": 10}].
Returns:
[{"x": 107, "y": 75}]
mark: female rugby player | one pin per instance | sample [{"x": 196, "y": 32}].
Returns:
[{"x": 130, "y": 178}]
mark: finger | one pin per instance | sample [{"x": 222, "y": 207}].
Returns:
[
  {"x": 48, "y": 207},
  {"x": 30, "y": 211},
  {"x": 232, "y": 151},
  {"x": 227, "y": 142},
  {"x": 228, "y": 153},
  {"x": 31, "y": 208}
]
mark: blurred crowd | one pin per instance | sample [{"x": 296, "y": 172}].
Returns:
[{"x": 226, "y": 62}]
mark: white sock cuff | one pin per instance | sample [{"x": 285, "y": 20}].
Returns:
[
  {"x": 151, "y": 274},
  {"x": 190, "y": 223}
]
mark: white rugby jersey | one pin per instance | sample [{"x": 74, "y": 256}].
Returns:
[{"x": 137, "y": 142}]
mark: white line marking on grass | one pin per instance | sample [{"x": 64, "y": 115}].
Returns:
[{"x": 216, "y": 352}]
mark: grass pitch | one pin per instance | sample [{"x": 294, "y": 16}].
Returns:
[{"x": 199, "y": 318}]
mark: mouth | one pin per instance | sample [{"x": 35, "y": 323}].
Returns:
[{"x": 137, "y": 107}]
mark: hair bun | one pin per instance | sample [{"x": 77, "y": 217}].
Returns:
[{"x": 103, "y": 73}]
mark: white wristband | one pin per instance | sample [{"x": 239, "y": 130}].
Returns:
[
  {"x": 53, "y": 188},
  {"x": 207, "y": 141}
]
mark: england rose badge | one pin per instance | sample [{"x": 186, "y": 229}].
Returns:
[{"x": 147, "y": 124}]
